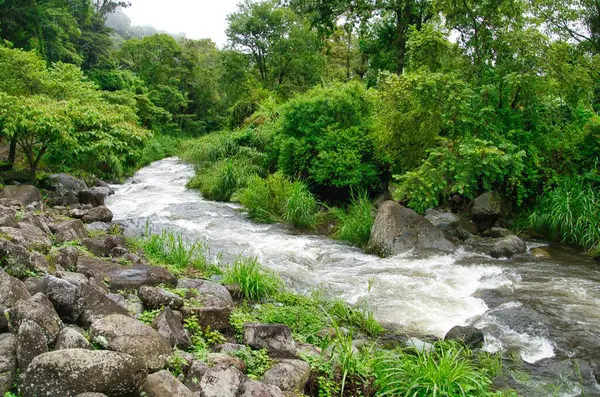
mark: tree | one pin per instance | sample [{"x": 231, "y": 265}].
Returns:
[{"x": 105, "y": 7}]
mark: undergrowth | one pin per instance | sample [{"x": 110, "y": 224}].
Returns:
[
  {"x": 255, "y": 281},
  {"x": 355, "y": 223}
]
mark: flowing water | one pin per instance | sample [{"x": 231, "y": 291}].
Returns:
[{"x": 542, "y": 313}]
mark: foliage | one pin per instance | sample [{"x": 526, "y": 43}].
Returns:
[
  {"x": 257, "y": 361},
  {"x": 255, "y": 281},
  {"x": 148, "y": 316},
  {"x": 355, "y": 223},
  {"x": 222, "y": 179}
]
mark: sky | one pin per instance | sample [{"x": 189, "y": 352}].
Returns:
[{"x": 198, "y": 19}]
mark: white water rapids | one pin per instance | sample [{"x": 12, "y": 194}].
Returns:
[{"x": 544, "y": 312}]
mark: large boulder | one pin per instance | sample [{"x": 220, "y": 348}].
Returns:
[
  {"x": 398, "y": 229},
  {"x": 94, "y": 267},
  {"x": 16, "y": 259},
  {"x": 98, "y": 214},
  {"x": 65, "y": 257},
  {"x": 96, "y": 305},
  {"x": 206, "y": 292},
  {"x": 133, "y": 277},
  {"x": 103, "y": 245},
  {"x": 12, "y": 290},
  {"x": 64, "y": 373},
  {"x": 71, "y": 230},
  {"x": 24, "y": 194},
  {"x": 488, "y": 208},
  {"x": 256, "y": 389},
  {"x": 508, "y": 247},
  {"x": 169, "y": 324},
  {"x": 8, "y": 362},
  {"x": 8, "y": 217},
  {"x": 469, "y": 336},
  {"x": 65, "y": 297},
  {"x": 71, "y": 338},
  {"x": 39, "y": 310},
  {"x": 218, "y": 382},
  {"x": 63, "y": 188},
  {"x": 28, "y": 236},
  {"x": 276, "y": 338},
  {"x": 216, "y": 318},
  {"x": 157, "y": 298},
  {"x": 288, "y": 375},
  {"x": 442, "y": 219},
  {"x": 194, "y": 375},
  {"x": 94, "y": 196},
  {"x": 164, "y": 384},
  {"x": 31, "y": 342},
  {"x": 127, "y": 335}
]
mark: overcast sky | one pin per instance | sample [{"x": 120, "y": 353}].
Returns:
[{"x": 198, "y": 19}]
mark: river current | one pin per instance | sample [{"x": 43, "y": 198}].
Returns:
[{"x": 543, "y": 313}]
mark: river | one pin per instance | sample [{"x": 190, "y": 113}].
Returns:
[{"x": 542, "y": 313}]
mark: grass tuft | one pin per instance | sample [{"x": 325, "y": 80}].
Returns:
[
  {"x": 255, "y": 281},
  {"x": 355, "y": 224}
]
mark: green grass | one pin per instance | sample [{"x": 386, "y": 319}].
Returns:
[
  {"x": 220, "y": 180},
  {"x": 255, "y": 281},
  {"x": 355, "y": 224},
  {"x": 570, "y": 214},
  {"x": 158, "y": 148}
]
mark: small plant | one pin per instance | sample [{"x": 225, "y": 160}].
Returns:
[
  {"x": 177, "y": 363},
  {"x": 257, "y": 361},
  {"x": 148, "y": 316},
  {"x": 255, "y": 281},
  {"x": 355, "y": 224},
  {"x": 239, "y": 317}
]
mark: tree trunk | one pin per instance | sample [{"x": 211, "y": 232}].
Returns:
[
  {"x": 13, "y": 150},
  {"x": 401, "y": 28}
]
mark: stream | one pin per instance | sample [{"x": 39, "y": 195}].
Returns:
[{"x": 542, "y": 313}]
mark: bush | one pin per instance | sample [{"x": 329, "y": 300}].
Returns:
[
  {"x": 255, "y": 281},
  {"x": 276, "y": 198},
  {"x": 355, "y": 224},
  {"x": 158, "y": 148},
  {"x": 222, "y": 179}
]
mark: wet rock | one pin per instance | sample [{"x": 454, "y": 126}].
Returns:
[
  {"x": 398, "y": 229},
  {"x": 215, "y": 317},
  {"x": 28, "y": 236},
  {"x": 488, "y": 208},
  {"x": 541, "y": 252},
  {"x": 8, "y": 362},
  {"x": 507, "y": 247},
  {"x": 96, "y": 306},
  {"x": 31, "y": 342},
  {"x": 208, "y": 293},
  {"x": 12, "y": 290},
  {"x": 469, "y": 336},
  {"x": 257, "y": 389},
  {"x": 70, "y": 338},
  {"x": 65, "y": 257},
  {"x": 497, "y": 232},
  {"x": 194, "y": 375},
  {"x": 39, "y": 310},
  {"x": 157, "y": 298},
  {"x": 134, "y": 277},
  {"x": 169, "y": 325},
  {"x": 101, "y": 183},
  {"x": 442, "y": 219},
  {"x": 124, "y": 334},
  {"x": 73, "y": 371},
  {"x": 288, "y": 375},
  {"x": 223, "y": 361},
  {"x": 65, "y": 297},
  {"x": 218, "y": 382},
  {"x": 24, "y": 194},
  {"x": 94, "y": 196},
  {"x": 419, "y": 345},
  {"x": 72, "y": 230},
  {"x": 63, "y": 188},
  {"x": 164, "y": 384},
  {"x": 98, "y": 214},
  {"x": 103, "y": 245},
  {"x": 276, "y": 338}
]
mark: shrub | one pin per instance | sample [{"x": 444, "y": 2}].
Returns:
[
  {"x": 355, "y": 224},
  {"x": 222, "y": 179},
  {"x": 255, "y": 281},
  {"x": 158, "y": 148}
]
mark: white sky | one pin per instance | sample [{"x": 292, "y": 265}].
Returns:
[{"x": 198, "y": 19}]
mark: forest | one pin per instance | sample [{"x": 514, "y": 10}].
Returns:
[{"x": 314, "y": 108}]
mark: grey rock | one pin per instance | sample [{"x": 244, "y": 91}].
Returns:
[
  {"x": 101, "y": 183},
  {"x": 24, "y": 194},
  {"x": 71, "y": 230},
  {"x": 157, "y": 298},
  {"x": 28, "y": 236},
  {"x": 164, "y": 384},
  {"x": 257, "y": 389},
  {"x": 94, "y": 267},
  {"x": 442, "y": 219},
  {"x": 217, "y": 318},
  {"x": 70, "y": 372},
  {"x": 497, "y": 232},
  {"x": 16, "y": 259},
  {"x": 229, "y": 348},
  {"x": 65, "y": 257},
  {"x": 96, "y": 306},
  {"x": 276, "y": 338},
  {"x": 194, "y": 375},
  {"x": 39, "y": 310},
  {"x": 103, "y": 245},
  {"x": 8, "y": 361},
  {"x": 288, "y": 375},
  {"x": 541, "y": 252},
  {"x": 124, "y": 334},
  {"x": 8, "y": 217},
  {"x": 12, "y": 290},
  {"x": 77, "y": 279},
  {"x": 98, "y": 214},
  {"x": 3, "y": 322},
  {"x": 419, "y": 345},
  {"x": 169, "y": 324},
  {"x": 91, "y": 395},
  {"x": 208, "y": 293},
  {"x": 221, "y": 360},
  {"x": 65, "y": 297},
  {"x": 398, "y": 229},
  {"x": 507, "y": 247},
  {"x": 70, "y": 338},
  {"x": 218, "y": 382},
  {"x": 94, "y": 196},
  {"x": 469, "y": 336},
  {"x": 133, "y": 277},
  {"x": 31, "y": 342},
  {"x": 63, "y": 188},
  {"x": 489, "y": 204}
]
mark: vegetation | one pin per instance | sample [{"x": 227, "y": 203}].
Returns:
[
  {"x": 255, "y": 281},
  {"x": 355, "y": 223}
]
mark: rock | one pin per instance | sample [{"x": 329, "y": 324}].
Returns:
[
  {"x": 469, "y": 336},
  {"x": 442, "y": 219},
  {"x": 8, "y": 362},
  {"x": 541, "y": 252},
  {"x": 70, "y": 338},
  {"x": 94, "y": 196},
  {"x": 487, "y": 209},
  {"x": 497, "y": 232},
  {"x": 34, "y": 285},
  {"x": 101, "y": 183},
  {"x": 31, "y": 342},
  {"x": 94, "y": 267},
  {"x": 276, "y": 338},
  {"x": 77, "y": 279},
  {"x": 124, "y": 334},
  {"x": 398, "y": 229},
  {"x": 194, "y": 375},
  {"x": 229, "y": 348},
  {"x": 288, "y": 375},
  {"x": 65, "y": 297},
  {"x": 157, "y": 298},
  {"x": 218, "y": 382},
  {"x": 65, "y": 257},
  {"x": 507, "y": 247},
  {"x": 63, "y": 188},
  {"x": 208, "y": 293},
  {"x": 98, "y": 214},
  {"x": 24, "y": 194},
  {"x": 169, "y": 325},
  {"x": 72, "y": 230},
  {"x": 134, "y": 277},
  {"x": 28, "y": 236},
  {"x": 16, "y": 259},
  {"x": 8, "y": 217},
  {"x": 215, "y": 317},
  {"x": 91, "y": 395},
  {"x": 419, "y": 345},
  {"x": 96, "y": 306},
  {"x": 256, "y": 389},
  {"x": 12, "y": 290},
  {"x": 103, "y": 245},
  {"x": 39, "y": 310},
  {"x": 164, "y": 384},
  {"x": 39, "y": 221},
  {"x": 3, "y": 322},
  {"x": 221, "y": 360},
  {"x": 70, "y": 372}
]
